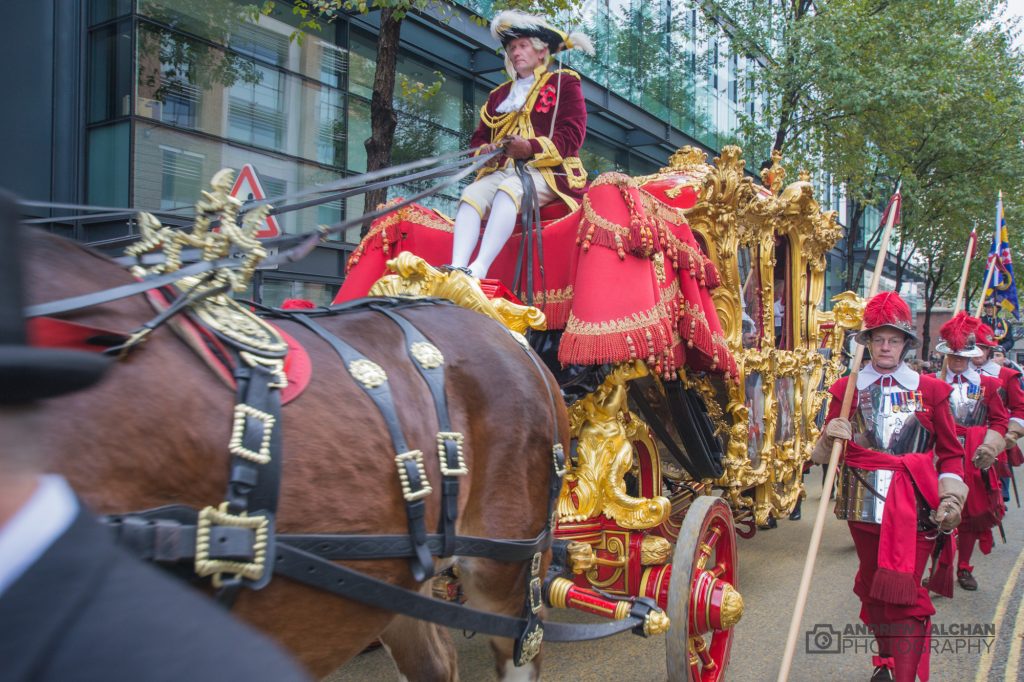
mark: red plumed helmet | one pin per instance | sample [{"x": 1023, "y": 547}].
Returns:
[
  {"x": 959, "y": 331},
  {"x": 985, "y": 335},
  {"x": 888, "y": 309}
]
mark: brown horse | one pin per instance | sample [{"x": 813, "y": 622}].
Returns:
[{"x": 155, "y": 432}]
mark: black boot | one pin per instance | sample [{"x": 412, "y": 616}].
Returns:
[{"x": 795, "y": 515}]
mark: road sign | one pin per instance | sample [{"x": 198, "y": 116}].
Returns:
[{"x": 248, "y": 188}]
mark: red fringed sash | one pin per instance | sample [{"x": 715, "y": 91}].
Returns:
[{"x": 894, "y": 581}]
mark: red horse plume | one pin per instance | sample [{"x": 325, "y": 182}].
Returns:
[
  {"x": 959, "y": 331},
  {"x": 886, "y": 308}
]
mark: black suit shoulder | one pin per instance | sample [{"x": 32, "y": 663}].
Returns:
[{"x": 113, "y": 617}]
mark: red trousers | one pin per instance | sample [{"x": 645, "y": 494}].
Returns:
[
  {"x": 900, "y": 631},
  {"x": 965, "y": 542}
]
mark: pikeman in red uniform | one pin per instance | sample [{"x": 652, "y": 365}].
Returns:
[
  {"x": 1012, "y": 394},
  {"x": 539, "y": 117},
  {"x": 901, "y": 484},
  {"x": 981, "y": 420}
]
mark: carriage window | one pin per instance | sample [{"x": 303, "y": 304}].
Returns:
[
  {"x": 755, "y": 417},
  {"x": 752, "y": 324},
  {"x": 782, "y": 313},
  {"x": 785, "y": 408}
]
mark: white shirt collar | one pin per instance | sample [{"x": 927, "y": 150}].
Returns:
[
  {"x": 969, "y": 374},
  {"x": 36, "y": 526},
  {"x": 904, "y": 376},
  {"x": 990, "y": 368},
  {"x": 517, "y": 94}
]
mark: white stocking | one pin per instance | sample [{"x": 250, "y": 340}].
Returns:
[
  {"x": 467, "y": 233},
  {"x": 499, "y": 229}
]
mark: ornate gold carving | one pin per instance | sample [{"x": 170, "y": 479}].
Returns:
[
  {"x": 224, "y": 315},
  {"x": 656, "y": 623},
  {"x": 732, "y": 607},
  {"x": 231, "y": 238},
  {"x": 654, "y": 550},
  {"x": 251, "y": 570},
  {"x": 427, "y": 354},
  {"x": 413, "y": 276},
  {"x": 596, "y": 485},
  {"x": 732, "y": 213},
  {"x": 242, "y": 411},
  {"x": 581, "y": 556},
  {"x": 415, "y": 456},
  {"x": 368, "y": 373}
]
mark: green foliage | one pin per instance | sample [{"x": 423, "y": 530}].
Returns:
[{"x": 872, "y": 91}]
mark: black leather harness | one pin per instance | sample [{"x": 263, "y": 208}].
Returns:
[{"x": 237, "y": 543}]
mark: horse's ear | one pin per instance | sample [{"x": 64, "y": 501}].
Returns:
[{"x": 27, "y": 373}]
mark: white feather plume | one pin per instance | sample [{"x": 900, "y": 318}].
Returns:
[
  {"x": 581, "y": 41},
  {"x": 515, "y": 18}
]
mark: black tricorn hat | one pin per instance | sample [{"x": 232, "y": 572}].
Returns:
[{"x": 28, "y": 373}]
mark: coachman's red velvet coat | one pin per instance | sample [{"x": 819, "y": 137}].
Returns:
[{"x": 554, "y": 120}]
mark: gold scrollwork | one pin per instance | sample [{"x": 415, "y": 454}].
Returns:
[
  {"x": 731, "y": 213},
  {"x": 413, "y": 276},
  {"x": 597, "y": 484},
  {"x": 654, "y": 550}
]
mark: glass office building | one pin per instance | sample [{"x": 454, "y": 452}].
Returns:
[{"x": 170, "y": 91}]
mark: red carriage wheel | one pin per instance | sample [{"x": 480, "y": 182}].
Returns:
[{"x": 703, "y": 603}]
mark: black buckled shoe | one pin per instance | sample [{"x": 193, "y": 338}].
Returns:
[
  {"x": 883, "y": 673},
  {"x": 966, "y": 580}
]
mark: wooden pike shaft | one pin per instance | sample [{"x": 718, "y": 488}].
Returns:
[
  {"x": 992, "y": 265},
  {"x": 830, "y": 474},
  {"x": 960, "y": 299}
]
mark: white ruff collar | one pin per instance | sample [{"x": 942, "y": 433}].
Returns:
[
  {"x": 990, "y": 368},
  {"x": 970, "y": 375},
  {"x": 904, "y": 376}
]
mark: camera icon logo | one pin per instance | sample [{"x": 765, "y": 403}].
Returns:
[{"x": 823, "y": 639}]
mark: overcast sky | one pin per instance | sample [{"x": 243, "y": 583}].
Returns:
[{"x": 1016, "y": 7}]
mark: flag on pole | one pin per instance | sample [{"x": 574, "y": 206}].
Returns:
[
  {"x": 895, "y": 204},
  {"x": 1003, "y": 287}
]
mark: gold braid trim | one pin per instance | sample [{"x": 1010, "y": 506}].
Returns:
[
  {"x": 557, "y": 295},
  {"x": 549, "y": 155},
  {"x": 626, "y": 324}
]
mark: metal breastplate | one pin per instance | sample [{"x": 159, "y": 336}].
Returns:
[
  {"x": 885, "y": 420},
  {"x": 968, "y": 405}
]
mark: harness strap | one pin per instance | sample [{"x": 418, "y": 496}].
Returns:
[
  {"x": 311, "y": 570},
  {"x": 168, "y": 535},
  {"x": 411, "y": 471},
  {"x": 430, "y": 363},
  {"x": 125, "y": 290}
]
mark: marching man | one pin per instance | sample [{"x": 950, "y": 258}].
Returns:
[
  {"x": 539, "y": 117},
  {"x": 981, "y": 420},
  {"x": 1013, "y": 396},
  {"x": 901, "y": 485}
]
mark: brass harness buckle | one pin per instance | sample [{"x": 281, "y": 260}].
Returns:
[{"x": 249, "y": 570}]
